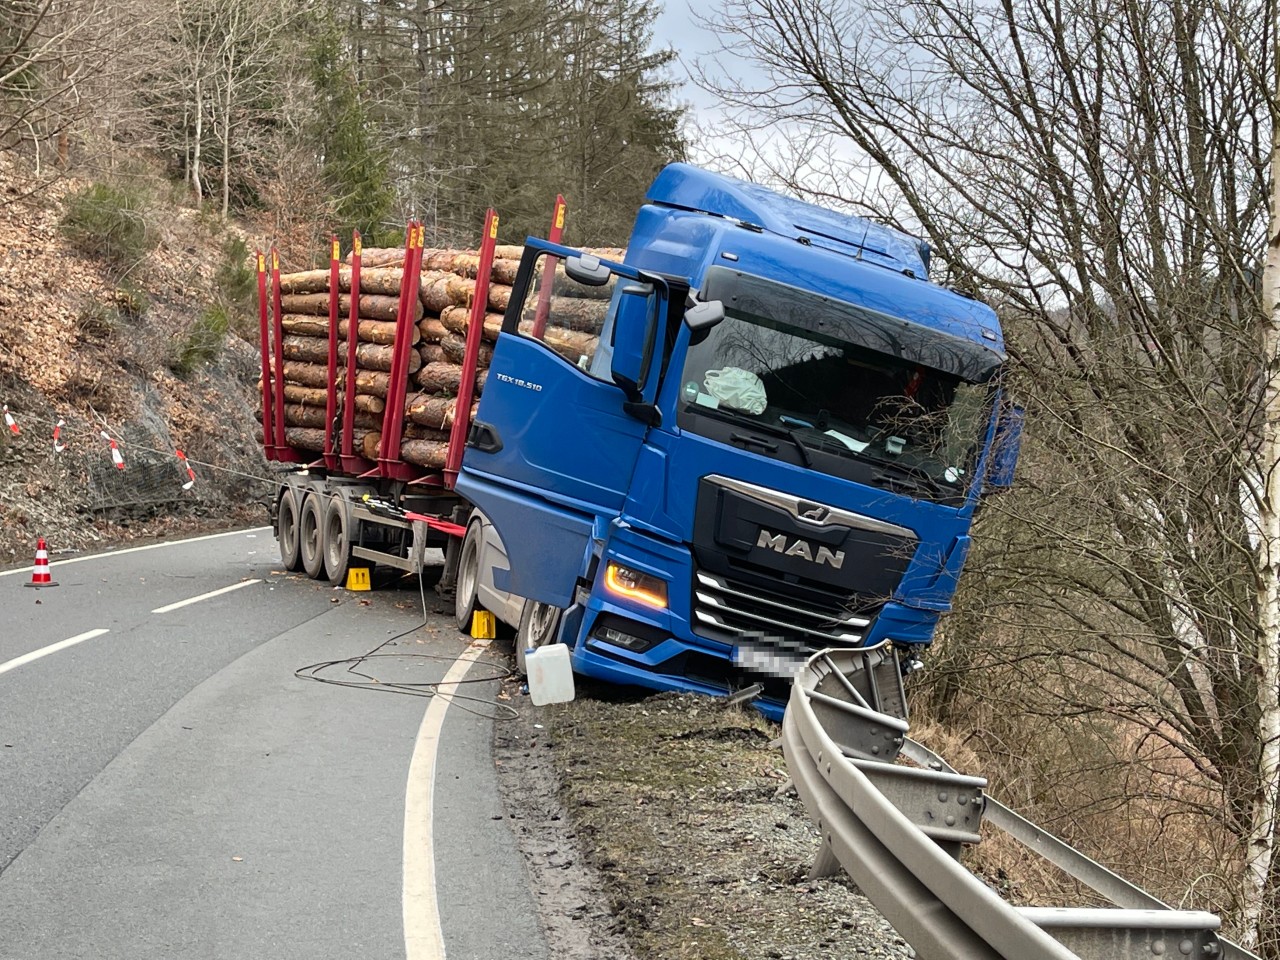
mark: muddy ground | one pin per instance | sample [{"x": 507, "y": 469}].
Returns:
[{"x": 655, "y": 827}]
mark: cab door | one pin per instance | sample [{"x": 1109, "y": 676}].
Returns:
[{"x": 555, "y": 439}]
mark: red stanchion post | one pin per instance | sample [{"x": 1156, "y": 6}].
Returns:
[
  {"x": 475, "y": 327},
  {"x": 389, "y": 462},
  {"x": 277, "y": 332},
  {"x": 331, "y": 396},
  {"x": 548, "y": 273},
  {"x": 350, "y": 461},
  {"x": 284, "y": 452},
  {"x": 268, "y": 421}
]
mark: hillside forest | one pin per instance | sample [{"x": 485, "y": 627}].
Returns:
[{"x": 1104, "y": 174}]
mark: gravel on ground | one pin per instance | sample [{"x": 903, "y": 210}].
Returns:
[{"x": 661, "y": 827}]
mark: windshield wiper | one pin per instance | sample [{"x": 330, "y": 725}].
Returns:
[
  {"x": 804, "y": 453},
  {"x": 754, "y": 424}
]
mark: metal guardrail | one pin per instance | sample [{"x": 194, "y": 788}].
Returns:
[{"x": 898, "y": 832}]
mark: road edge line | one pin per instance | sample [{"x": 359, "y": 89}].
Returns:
[
  {"x": 423, "y": 935},
  {"x": 119, "y": 553}
]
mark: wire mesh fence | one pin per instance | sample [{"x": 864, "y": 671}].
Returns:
[{"x": 95, "y": 467}]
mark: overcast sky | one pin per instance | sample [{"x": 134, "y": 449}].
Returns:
[{"x": 676, "y": 28}]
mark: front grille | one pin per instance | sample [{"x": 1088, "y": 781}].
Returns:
[{"x": 732, "y": 611}]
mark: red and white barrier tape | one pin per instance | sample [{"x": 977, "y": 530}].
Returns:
[
  {"x": 116, "y": 456},
  {"x": 61, "y": 440},
  {"x": 191, "y": 474}
]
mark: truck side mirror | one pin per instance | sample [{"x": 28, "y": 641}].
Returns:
[
  {"x": 587, "y": 270},
  {"x": 1005, "y": 449},
  {"x": 635, "y": 328},
  {"x": 702, "y": 315}
]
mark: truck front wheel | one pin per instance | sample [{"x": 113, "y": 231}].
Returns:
[
  {"x": 539, "y": 626},
  {"x": 464, "y": 595},
  {"x": 287, "y": 530}
]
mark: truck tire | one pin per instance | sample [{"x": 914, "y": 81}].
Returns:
[
  {"x": 287, "y": 529},
  {"x": 310, "y": 532},
  {"x": 336, "y": 539},
  {"x": 539, "y": 626},
  {"x": 464, "y": 595}
]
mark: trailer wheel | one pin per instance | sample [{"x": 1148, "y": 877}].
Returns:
[
  {"x": 337, "y": 540},
  {"x": 539, "y": 626},
  {"x": 287, "y": 529},
  {"x": 464, "y": 595},
  {"x": 310, "y": 531}
]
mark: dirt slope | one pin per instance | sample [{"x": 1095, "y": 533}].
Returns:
[{"x": 99, "y": 345}]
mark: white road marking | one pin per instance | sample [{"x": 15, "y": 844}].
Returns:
[
  {"x": 150, "y": 546},
  {"x": 423, "y": 938},
  {"x": 206, "y": 596},
  {"x": 51, "y": 648}
]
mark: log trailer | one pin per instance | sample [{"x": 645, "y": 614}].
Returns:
[{"x": 771, "y": 440}]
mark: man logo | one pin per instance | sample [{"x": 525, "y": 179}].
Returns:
[
  {"x": 777, "y": 542},
  {"x": 813, "y": 511}
]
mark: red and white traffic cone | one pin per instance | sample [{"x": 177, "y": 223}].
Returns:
[
  {"x": 58, "y": 445},
  {"x": 40, "y": 573},
  {"x": 9, "y": 422}
]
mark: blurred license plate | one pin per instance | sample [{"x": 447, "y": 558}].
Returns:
[{"x": 769, "y": 660}]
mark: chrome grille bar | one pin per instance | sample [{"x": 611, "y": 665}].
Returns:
[{"x": 736, "y": 609}]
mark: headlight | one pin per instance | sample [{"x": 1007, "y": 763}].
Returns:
[{"x": 634, "y": 585}]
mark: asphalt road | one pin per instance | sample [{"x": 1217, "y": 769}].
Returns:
[{"x": 169, "y": 788}]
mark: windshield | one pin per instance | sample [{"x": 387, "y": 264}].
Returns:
[{"x": 799, "y": 395}]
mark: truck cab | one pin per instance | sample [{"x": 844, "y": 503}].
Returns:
[{"x": 762, "y": 433}]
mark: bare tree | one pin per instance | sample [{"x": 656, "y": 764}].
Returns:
[
  {"x": 1100, "y": 172},
  {"x": 63, "y": 66},
  {"x": 224, "y": 59}
]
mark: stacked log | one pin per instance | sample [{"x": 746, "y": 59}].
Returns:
[{"x": 440, "y": 319}]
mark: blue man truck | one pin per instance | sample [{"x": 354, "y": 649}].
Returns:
[
  {"x": 759, "y": 433},
  {"x": 777, "y": 445}
]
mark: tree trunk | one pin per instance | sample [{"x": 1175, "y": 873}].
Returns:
[
  {"x": 369, "y": 356},
  {"x": 446, "y": 291},
  {"x": 425, "y": 453},
  {"x": 379, "y": 280},
  {"x": 435, "y": 412},
  {"x": 372, "y": 307},
  {"x": 372, "y": 382},
  {"x": 226, "y": 145},
  {"x": 1261, "y": 837},
  {"x": 300, "y": 415},
  {"x": 319, "y": 397},
  {"x": 195, "y": 149},
  {"x": 458, "y": 319},
  {"x": 369, "y": 331},
  {"x": 442, "y": 379},
  {"x": 433, "y": 331},
  {"x": 454, "y": 348}
]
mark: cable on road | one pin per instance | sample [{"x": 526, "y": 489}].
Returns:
[{"x": 320, "y": 672}]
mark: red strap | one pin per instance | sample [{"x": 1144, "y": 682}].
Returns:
[{"x": 435, "y": 523}]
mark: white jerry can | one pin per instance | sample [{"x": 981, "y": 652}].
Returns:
[{"x": 550, "y": 674}]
